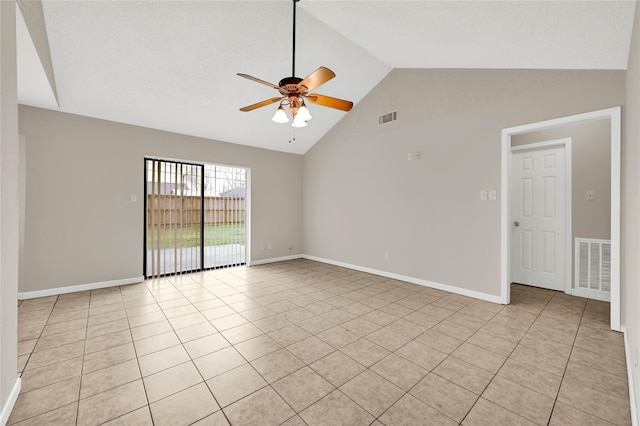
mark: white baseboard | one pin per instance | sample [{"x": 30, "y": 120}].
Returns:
[
  {"x": 591, "y": 294},
  {"x": 632, "y": 394},
  {"x": 125, "y": 281},
  {"x": 11, "y": 401},
  {"x": 431, "y": 284},
  {"x": 275, "y": 259},
  {"x": 80, "y": 287}
]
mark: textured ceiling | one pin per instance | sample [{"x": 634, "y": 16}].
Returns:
[{"x": 172, "y": 65}]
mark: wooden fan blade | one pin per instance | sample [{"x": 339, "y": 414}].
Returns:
[
  {"x": 315, "y": 79},
  {"x": 330, "y": 102},
  {"x": 257, "y": 80},
  {"x": 261, "y": 104}
]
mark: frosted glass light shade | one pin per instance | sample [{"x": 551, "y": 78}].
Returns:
[
  {"x": 303, "y": 114},
  {"x": 298, "y": 122},
  {"x": 280, "y": 116}
]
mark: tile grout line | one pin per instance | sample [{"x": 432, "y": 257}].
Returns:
[
  {"x": 564, "y": 371},
  {"x": 84, "y": 349},
  {"x": 52, "y": 364},
  {"x": 268, "y": 384},
  {"x": 39, "y": 336},
  {"x": 411, "y": 340},
  {"x": 309, "y": 366},
  {"x": 506, "y": 359},
  {"x": 391, "y": 352},
  {"x": 192, "y": 360},
  {"x": 376, "y": 418},
  {"x": 31, "y": 353},
  {"x": 309, "y": 284},
  {"x": 91, "y": 294},
  {"x": 438, "y": 364},
  {"x": 135, "y": 351},
  {"x": 284, "y": 347},
  {"x": 183, "y": 348}
]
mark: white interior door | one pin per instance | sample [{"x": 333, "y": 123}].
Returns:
[{"x": 538, "y": 216}]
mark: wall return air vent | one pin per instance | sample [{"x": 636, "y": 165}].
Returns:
[
  {"x": 387, "y": 118},
  {"x": 592, "y": 268}
]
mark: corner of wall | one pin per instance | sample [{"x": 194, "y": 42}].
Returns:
[
  {"x": 8, "y": 206},
  {"x": 11, "y": 402},
  {"x": 631, "y": 217}
]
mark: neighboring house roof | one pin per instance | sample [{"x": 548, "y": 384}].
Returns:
[{"x": 239, "y": 192}]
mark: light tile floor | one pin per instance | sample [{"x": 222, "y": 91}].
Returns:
[{"x": 302, "y": 342}]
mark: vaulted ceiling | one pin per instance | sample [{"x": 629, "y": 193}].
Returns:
[{"x": 172, "y": 65}]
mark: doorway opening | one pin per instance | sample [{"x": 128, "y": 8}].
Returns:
[
  {"x": 613, "y": 116},
  {"x": 541, "y": 214},
  {"x": 195, "y": 216}
]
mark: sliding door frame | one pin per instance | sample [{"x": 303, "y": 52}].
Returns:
[{"x": 247, "y": 218}]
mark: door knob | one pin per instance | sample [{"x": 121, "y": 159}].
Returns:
[{"x": 516, "y": 223}]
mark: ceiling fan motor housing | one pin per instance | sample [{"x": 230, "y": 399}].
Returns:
[{"x": 290, "y": 84}]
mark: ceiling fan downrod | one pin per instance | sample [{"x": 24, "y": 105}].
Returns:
[
  {"x": 293, "y": 61},
  {"x": 291, "y": 82}
]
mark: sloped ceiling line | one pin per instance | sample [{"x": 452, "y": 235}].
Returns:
[
  {"x": 171, "y": 65},
  {"x": 34, "y": 18}
]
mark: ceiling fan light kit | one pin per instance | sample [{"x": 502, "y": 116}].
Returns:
[
  {"x": 295, "y": 90},
  {"x": 298, "y": 123},
  {"x": 280, "y": 116},
  {"x": 303, "y": 113}
]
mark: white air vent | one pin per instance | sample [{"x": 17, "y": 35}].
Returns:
[
  {"x": 592, "y": 268},
  {"x": 387, "y": 118}
]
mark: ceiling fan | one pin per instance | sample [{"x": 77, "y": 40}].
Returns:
[{"x": 294, "y": 91}]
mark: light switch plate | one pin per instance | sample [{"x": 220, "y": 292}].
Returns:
[
  {"x": 134, "y": 198},
  {"x": 589, "y": 195},
  {"x": 483, "y": 195},
  {"x": 493, "y": 194}
]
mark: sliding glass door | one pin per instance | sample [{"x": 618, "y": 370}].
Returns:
[
  {"x": 225, "y": 214},
  {"x": 195, "y": 217}
]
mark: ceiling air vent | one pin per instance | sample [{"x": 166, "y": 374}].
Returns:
[{"x": 387, "y": 118}]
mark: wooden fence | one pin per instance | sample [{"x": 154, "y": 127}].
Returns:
[{"x": 168, "y": 209}]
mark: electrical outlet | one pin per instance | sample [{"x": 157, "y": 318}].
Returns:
[{"x": 386, "y": 255}]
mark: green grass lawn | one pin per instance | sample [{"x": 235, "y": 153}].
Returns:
[{"x": 214, "y": 235}]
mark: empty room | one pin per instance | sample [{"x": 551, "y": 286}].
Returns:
[{"x": 304, "y": 212}]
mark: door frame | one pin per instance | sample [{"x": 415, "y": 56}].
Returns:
[
  {"x": 614, "y": 115},
  {"x": 568, "y": 247},
  {"x": 247, "y": 219}
]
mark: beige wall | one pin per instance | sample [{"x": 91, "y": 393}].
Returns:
[
  {"x": 630, "y": 252},
  {"x": 8, "y": 204},
  {"x": 362, "y": 197},
  {"x": 81, "y": 226}
]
